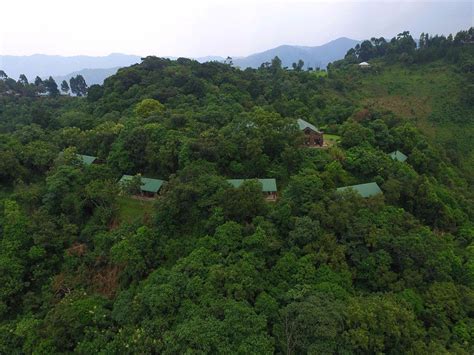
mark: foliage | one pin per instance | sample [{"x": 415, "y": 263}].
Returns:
[{"x": 209, "y": 268}]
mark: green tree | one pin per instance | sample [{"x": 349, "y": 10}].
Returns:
[
  {"x": 65, "y": 87},
  {"x": 380, "y": 324},
  {"x": 94, "y": 93},
  {"x": 14, "y": 243},
  {"x": 78, "y": 85},
  {"x": 51, "y": 86},
  {"x": 312, "y": 325},
  {"x": 132, "y": 186},
  {"x": 354, "y": 134},
  {"x": 149, "y": 107},
  {"x": 23, "y": 80},
  {"x": 40, "y": 85},
  {"x": 298, "y": 66},
  {"x": 245, "y": 202},
  {"x": 275, "y": 64},
  {"x": 136, "y": 253},
  {"x": 67, "y": 323}
]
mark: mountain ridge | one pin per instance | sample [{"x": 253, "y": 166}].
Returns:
[
  {"x": 98, "y": 68},
  {"x": 44, "y": 65},
  {"x": 313, "y": 56},
  {"x": 91, "y": 76}
]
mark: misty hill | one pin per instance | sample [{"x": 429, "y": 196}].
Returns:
[
  {"x": 96, "y": 69},
  {"x": 210, "y": 58},
  {"x": 318, "y": 56},
  {"x": 91, "y": 76},
  {"x": 98, "y": 75},
  {"x": 55, "y": 65}
]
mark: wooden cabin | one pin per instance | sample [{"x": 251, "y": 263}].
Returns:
[
  {"x": 313, "y": 136},
  {"x": 149, "y": 187},
  {"x": 269, "y": 187}
]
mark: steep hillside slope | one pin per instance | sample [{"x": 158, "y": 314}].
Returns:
[
  {"x": 434, "y": 96},
  {"x": 90, "y": 265}
]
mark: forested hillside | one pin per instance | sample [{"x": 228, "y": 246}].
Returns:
[{"x": 206, "y": 267}]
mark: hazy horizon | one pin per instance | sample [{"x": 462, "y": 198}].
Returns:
[
  {"x": 209, "y": 28},
  {"x": 165, "y": 56}
]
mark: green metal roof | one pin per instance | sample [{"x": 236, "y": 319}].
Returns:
[
  {"x": 268, "y": 185},
  {"x": 302, "y": 124},
  {"x": 148, "y": 185},
  {"x": 86, "y": 159},
  {"x": 365, "y": 190},
  {"x": 397, "y": 155}
]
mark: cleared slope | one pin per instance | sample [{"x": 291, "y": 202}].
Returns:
[{"x": 430, "y": 95}]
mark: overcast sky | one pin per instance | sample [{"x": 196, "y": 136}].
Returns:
[{"x": 209, "y": 27}]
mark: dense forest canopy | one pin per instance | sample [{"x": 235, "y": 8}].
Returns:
[{"x": 210, "y": 268}]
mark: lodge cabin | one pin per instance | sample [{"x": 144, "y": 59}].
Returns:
[
  {"x": 364, "y": 190},
  {"x": 269, "y": 187},
  {"x": 313, "y": 137},
  {"x": 87, "y": 159},
  {"x": 364, "y": 65},
  {"x": 399, "y": 156},
  {"x": 149, "y": 187}
]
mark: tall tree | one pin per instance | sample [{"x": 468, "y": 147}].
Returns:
[
  {"x": 366, "y": 51},
  {"x": 65, "y": 87},
  {"x": 78, "y": 85},
  {"x": 298, "y": 66},
  {"x": 276, "y": 64},
  {"x": 40, "y": 87},
  {"x": 149, "y": 107},
  {"x": 23, "y": 79},
  {"x": 51, "y": 86},
  {"x": 38, "y": 81},
  {"x": 72, "y": 85},
  {"x": 81, "y": 85}
]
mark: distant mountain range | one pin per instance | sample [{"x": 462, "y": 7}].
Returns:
[
  {"x": 91, "y": 76},
  {"x": 318, "y": 56},
  {"x": 96, "y": 69},
  {"x": 45, "y": 65}
]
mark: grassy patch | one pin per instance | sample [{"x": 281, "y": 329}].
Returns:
[
  {"x": 333, "y": 138},
  {"x": 411, "y": 91},
  {"x": 321, "y": 73},
  {"x": 132, "y": 209},
  {"x": 427, "y": 95}
]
